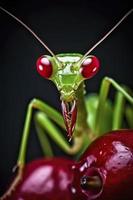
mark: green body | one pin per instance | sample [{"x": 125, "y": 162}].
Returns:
[
  {"x": 92, "y": 110},
  {"x": 96, "y": 113}
]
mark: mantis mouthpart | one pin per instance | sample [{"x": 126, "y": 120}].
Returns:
[{"x": 69, "y": 111}]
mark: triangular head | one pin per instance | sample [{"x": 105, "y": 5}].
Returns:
[{"x": 68, "y": 71}]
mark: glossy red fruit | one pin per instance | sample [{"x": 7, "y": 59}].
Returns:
[
  {"x": 44, "y": 67},
  {"x": 105, "y": 171},
  {"x": 45, "y": 179},
  {"x": 90, "y": 67}
]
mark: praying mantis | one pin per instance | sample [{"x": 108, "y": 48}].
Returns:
[{"x": 82, "y": 117}]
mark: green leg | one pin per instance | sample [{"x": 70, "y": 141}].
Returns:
[
  {"x": 43, "y": 140},
  {"x": 42, "y": 121},
  {"x": 104, "y": 90},
  {"x": 118, "y": 111},
  {"x": 50, "y": 112},
  {"x": 44, "y": 125}
]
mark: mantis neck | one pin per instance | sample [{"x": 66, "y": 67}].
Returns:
[{"x": 81, "y": 124}]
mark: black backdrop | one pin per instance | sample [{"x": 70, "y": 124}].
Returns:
[{"x": 66, "y": 26}]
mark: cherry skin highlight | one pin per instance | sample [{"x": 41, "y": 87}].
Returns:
[
  {"x": 90, "y": 67},
  {"x": 105, "y": 171},
  {"x": 44, "y": 67},
  {"x": 48, "y": 179}
]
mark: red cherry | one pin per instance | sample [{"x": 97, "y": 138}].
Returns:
[
  {"x": 44, "y": 67},
  {"x": 105, "y": 171},
  {"x": 90, "y": 67},
  {"x": 45, "y": 179}
]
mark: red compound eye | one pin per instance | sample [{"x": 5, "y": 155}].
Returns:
[
  {"x": 90, "y": 67},
  {"x": 44, "y": 67}
]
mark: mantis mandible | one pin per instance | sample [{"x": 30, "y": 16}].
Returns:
[{"x": 82, "y": 120}]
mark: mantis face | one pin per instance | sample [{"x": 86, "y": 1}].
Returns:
[{"x": 68, "y": 71}]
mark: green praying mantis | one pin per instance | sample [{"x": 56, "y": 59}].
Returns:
[{"x": 83, "y": 117}]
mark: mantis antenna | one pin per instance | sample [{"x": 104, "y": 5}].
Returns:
[
  {"x": 31, "y": 31},
  {"x": 51, "y": 52},
  {"x": 107, "y": 34}
]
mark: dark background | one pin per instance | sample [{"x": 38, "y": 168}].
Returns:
[{"x": 66, "y": 26}]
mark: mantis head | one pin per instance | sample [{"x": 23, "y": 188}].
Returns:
[{"x": 68, "y": 71}]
